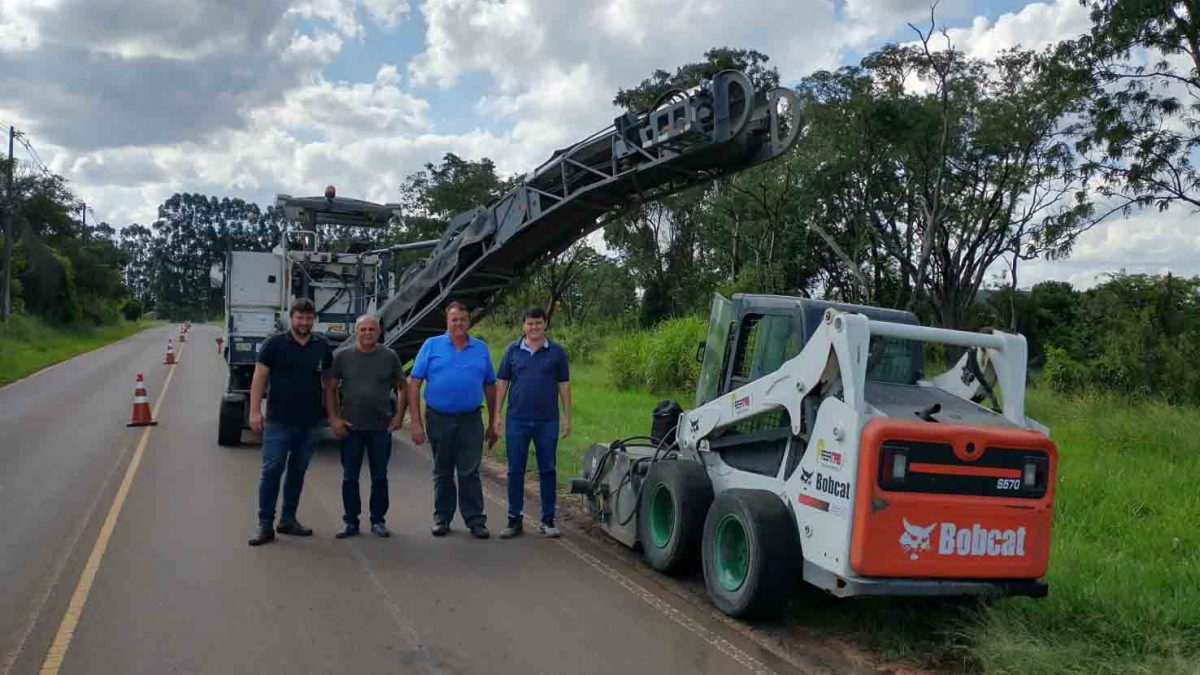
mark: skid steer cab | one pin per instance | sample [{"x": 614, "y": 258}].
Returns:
[{"x": 819, "y": 449}]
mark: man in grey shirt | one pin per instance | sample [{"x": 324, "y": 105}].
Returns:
[{"x": 365, "y": 419}]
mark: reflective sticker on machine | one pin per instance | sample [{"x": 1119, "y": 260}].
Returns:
[
  {"x": 832, "y": 459},
  {"x": 815, "y": 503},
  {"x": 740, "y": 405},
  {"x": 974, "y": 540},
  {"x": 821, "y": 505}
]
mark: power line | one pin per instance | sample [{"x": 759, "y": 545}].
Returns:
[
  {"x": 33, "y": 154},
  {"x": 40, "y": 163}
]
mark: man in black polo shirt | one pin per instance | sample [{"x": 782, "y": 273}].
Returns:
[
  {"x": 534, "y": 376},
  {"x": 293, "y": 363}
]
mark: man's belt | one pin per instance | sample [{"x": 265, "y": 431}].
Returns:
[{"x": 454, "y": 414}]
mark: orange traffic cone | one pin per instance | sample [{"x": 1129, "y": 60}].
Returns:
[
  {"x": 170, "y": 360},
  {"x": 182, "y": 337},
  {"x": 141, "y": 407}
]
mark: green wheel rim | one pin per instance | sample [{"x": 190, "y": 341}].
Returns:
[
  {"x": 732, "y": 558},
  {"x": 662, "y": 515}
]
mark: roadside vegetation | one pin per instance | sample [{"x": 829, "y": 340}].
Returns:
[{"x": 28, "y": 344}]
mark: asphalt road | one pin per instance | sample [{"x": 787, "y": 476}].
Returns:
[{"x": 170, "y": 585}]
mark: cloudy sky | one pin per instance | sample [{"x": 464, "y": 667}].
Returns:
[{"x": 133, "y": 100}]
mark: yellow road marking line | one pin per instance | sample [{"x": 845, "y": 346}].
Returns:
[
  {"x": 66, "y": 629},
  {"x": 31, "y": 621}
]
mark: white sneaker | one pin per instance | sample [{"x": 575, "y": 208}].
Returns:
[{"x": 549, "y": 530}]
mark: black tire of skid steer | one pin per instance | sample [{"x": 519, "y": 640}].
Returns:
[
  {"x": 690, "y": 491},
  {"x": 774, "y": 555},
  {"x": 229, "y": 423}
]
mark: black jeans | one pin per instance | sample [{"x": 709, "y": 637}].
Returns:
[
  {"x": 377, "y": 445},
  {"x": 457, "y": 441}
]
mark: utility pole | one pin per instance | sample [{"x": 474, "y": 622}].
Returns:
[{"x": 8, "y": 229}]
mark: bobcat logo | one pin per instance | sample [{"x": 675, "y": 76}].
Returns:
[
  {"x": 806, "y": 477},
  {"x": 695, "y": 425},
  {"x": 915, "y": 539}
]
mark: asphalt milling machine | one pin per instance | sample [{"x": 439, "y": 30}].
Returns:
[
  {"x": 261, "y": 286},
  {"x": 818, "y": 449}
]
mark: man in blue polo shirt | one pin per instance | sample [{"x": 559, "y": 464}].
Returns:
[
  {"x": 459, "y": 372},
  {"x": 534, "y": 375}
]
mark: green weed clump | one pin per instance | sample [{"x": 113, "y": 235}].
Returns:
[{"x": 662, "y": 360}]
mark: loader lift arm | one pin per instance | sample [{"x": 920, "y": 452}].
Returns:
[{"x": 719, "y": 128}]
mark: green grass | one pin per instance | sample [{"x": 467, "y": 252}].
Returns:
[
  {"x": 28, "y": 345},
  {"x": 1125, "y": 561}
]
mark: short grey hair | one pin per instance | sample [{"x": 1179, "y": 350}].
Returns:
[{"x": 366, "y": 317}]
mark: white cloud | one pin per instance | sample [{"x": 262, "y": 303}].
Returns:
[
  {"x": 363, "y": 137},
  {"x": 868, "y": 20},
  {"x": 116, "y": 73},
  {"x": 1037, "y": 25},
  {"x": 138, "y": 29},
  {"x": 387, "y": 13},
  {"x": 1147, "y": 242},
  {"x": 337, "y": 12},
  {"x": 344, "y": 14},
  {"x": 515, "y": 40},
  {"x": 18, "y": 27},
  {"x": 343, "y": 113}
]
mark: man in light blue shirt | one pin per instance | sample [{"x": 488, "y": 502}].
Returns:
[{"x": 459, "y": 373}]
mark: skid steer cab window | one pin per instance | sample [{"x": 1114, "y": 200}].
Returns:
[
  {"x": 765, "y": 341},
  {"x": 893, "y": 360},
  {"x": 720, "y": 319}
]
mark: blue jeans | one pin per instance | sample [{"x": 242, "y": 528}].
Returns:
[
  {"x": 517, "y": 435},
  {"x": 290, "y": 447},
  {"x": 378, "y": 447}
]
